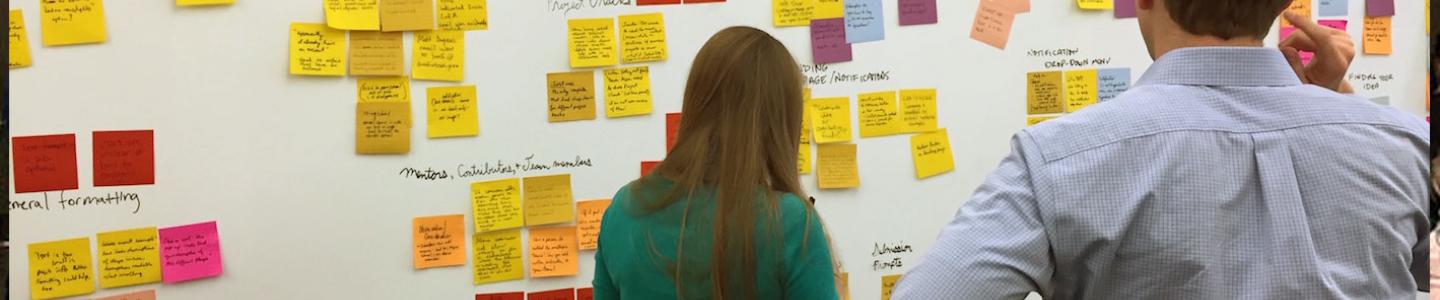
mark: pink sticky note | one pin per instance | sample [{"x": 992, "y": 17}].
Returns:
[
  {"x": 1124, "y": 9},
  {"x": 1306, "y": 56},
  {"x": 916, "y": 12},
  {"x": 190, "y": 252},
  {"x": 993, "y": 21},
  {"x": 827, "y": 41}
]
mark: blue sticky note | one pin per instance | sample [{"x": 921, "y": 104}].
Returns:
[
  {"x": 1334, "y": 8},
  {"x": 1112, "y": 82},
  {"x": 864, "y": 21}
]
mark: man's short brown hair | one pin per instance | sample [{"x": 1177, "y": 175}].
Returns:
[{"x": 1226, "y": 19}]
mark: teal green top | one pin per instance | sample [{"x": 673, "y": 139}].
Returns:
[{"x": 636, "y": 252}]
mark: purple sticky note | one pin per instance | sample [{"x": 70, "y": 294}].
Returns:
[
  {"x": 916, "y": 12},
  {"x": 827, "y": 41},
  {"x": 190, "y": 252},
  {"x": 1379, "y": 8},
  {"x": 1124, "y": 9}
]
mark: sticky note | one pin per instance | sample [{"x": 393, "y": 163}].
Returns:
[
  {"x": 647, "y": 167},
  {"x": 382, "y": 89},
  {"x": 508, "y": 295},
  {"x": 1112, "y": 82},
  {"x": 1300, "y": 7},
  {"x": 788, "y": 13},
  {"x": 887, "y": 285},
  {"x": 1306, "y": 56},
  {"x": 1095, "y": 4},
  {"x": 439, "y": 55},
  {"x": 879, "y": 114},
  {"x": 656, "y": 2},
  {"x": 1044, "y": 92},
  {"x": 19, "y": 44},
  {"x": 672, "y": 130},
  {"x": 553, "y": 252},
  {"x": 1014, "y": 6},
  {"x": 451, "y": 111},
  {"x": 1377, "y": 35},
  {"x": 316, "y": 50},
  {"x": 572, "y": 96},
  {"x": 1080, "y": 89},
  {"x": 141, "y": 295},
  {"x": 803, "y": 159},
  {"x": 1379, "y": 8},
  {"x": 60, "y": 269},
  {"x": 917, "y": 12},
  {"x": 72, "y": 22},
  {"x": 128, "y": 257},
  {"x": 190, "y": 252},
  {"x": 918, "y": 110},
  {"x": 496, "y": 204},
  {"x": 1335, "y": 8},
  {"x": 831, "y": 117},
  {"x": 382, "y": 127},
  {"x": 805, "y": 117},
  {"x": 560, "y": 294},
  {"x": 439, "y": 241},
  {"x": 837, "y": 168},
  {"x": 462, "y": 15},
  {"x": 864, "y": 21},
  {"x": 498, "y": 256},
  {"x": 403, "y": 15},
  {"x": 124, "y": 157},
  {"x": 587, "y": 224},
  {"x": 592, "y": 42},
  {"x": 1125, "y": 9},
  {"x": 352, "y": 14},
  {"x": 827, "y": 41},
  {"x": 202, "y": 2},
  {"x": 44, "y": 163},
  {"x": 1032, "y": 120},
  {"x": 585, "y": 294},
  {"x": 993, "y": 21},
  {"x": 642, "y": 38},
  {"x": 627, "y": 91},
  {"x": 843, "y": 281},
  {"x": 829, "y": 9},
  {"x": 931, "y": 154},
  {"x": 377, "y": 53},
  {"x": 548, "y": 200}
]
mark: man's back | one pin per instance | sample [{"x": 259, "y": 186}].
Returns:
[{"x": 1218, "y": 177}]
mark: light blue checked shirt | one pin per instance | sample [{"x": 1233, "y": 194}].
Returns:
[{"x": 1218, "y": 176}]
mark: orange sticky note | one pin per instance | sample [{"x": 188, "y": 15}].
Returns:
[
  {"x": 1044, "y": 92},
  {"x": 993, "y": 21},
  {"x": 141, "y": 295},
  {"x": 572, "y": 96},
  {"x": 548, "y": 200},
  {"x": 402, "y": 15},
  {"x": 1377, "y": 35},
  {"x": 1301, "y": 7},
  {"x": 553, "y": 252},
  {"x": 588, "y": 223},
  {"x": 837, "y": 167},
  {"x": 439, "y": 241}
]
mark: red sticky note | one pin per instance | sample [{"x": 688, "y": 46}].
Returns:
[
  {"x": 501, "y": 296},
  {"x": 124, "y": 157},
  {"x": 585, "y": 294},
  {"x": 44, "y": 163},
  {"x": 190, "y": 252},
  {"x": 647, "y": 166},
  {"x": 672, "y": 127},
  {"x": 560, "y": 294},
  {"x": 656, "y": 2}
]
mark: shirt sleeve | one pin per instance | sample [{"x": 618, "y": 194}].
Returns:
[
  {"x": 811, "y": 272},
  {"x": 996, "y": 247},
  {"x": 602, "y": 284}
]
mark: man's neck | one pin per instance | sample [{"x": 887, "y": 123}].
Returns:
[{"x": 1191, "y": 41}]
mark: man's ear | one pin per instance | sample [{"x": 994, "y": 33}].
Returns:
[{"x": 1145, "y": 4}]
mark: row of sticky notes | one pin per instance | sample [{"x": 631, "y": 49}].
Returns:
[
  {"x": 592, "y": 41},
  {"x": 1054, "y": 92},
  {"x": 558, "y": 294},
  {"x": 316, "y": 49},
  {"x": 383, "y": 121},
  {"x": 48, "y": 162},
  {"x": 571, "y": 95},
  {"x": 498, "y": 252},
  {"x": 994, "y": 19},
  {"x": 127, "y": 257},
  {"x": 406, "y": 15},
  {"x": 835, "y": 24},
  {"x": 881, "y": 113}
]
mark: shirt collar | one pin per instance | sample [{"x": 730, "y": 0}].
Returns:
[{"x": 1221, "y": 66}]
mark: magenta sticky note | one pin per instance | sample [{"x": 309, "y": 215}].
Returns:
[
  {"x": 1124, "y": 9},
  {"x": 190, "y": 252},
  {"x": 827, "y": 41},
  {"x": 916, "y": 12},
  {"x": 1379, "y": 8}
]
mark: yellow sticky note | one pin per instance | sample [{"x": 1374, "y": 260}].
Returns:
[
  {"x": 553, "y": 252},
  {"x": 804, "y": 158},
  {"x": 128, "y": 257},
  {"x": 1377, "y": 35},
  {"x": 931, "y": 153},
  {"x": 382, "y": 89},
  {"x": 548, "y": 200},
  {"x": 1301, "y": 7},
  {"x": 829, "y": 9},
  {"x": 592, "y": 42},
  {"x": 72, "y": 22},
  {"x": 587, "y": 224},
  {"x": 831, "y": 117},
  {"x": 918, "y": 110},
  {"x": 451, "y": 111},
  {"x": 403, "y": 15},
  {"x": 496, "y": 205},
  {"x": 498, "y": 256},
  {"x": 843, "y": 286},
  {"x": 439, "y": 55},
  {"x": 1032, "y": 120},
  {"x": 1095, "y": 4},
  {"x": 572, "y": 96},
  {"x": 352, "y": 14},
  {"x": 439, "y": 241},
  {"x": 887, "y": 285},
  {"x": 1044, "y": 92},
  {"x": 462, "y": 15},
  {"x": 627, "y": 91},
  {"x": 805, "y": 117},
  {"x": 60, "y": 269},
  {"x": 878, "y": 114},
  {"x": 202, "y": 2},
  {"x": 1081, "y": 89},
  {"x": 837, "y": 168},
  {"x": 382, "y": 127},
  {"x": 377, "y": 53},
  {"x": 792, "y": 12},
  {"x": 642, "y": 38},
  {"x": 316, "y": 50},
  {"x": 19, "y": 44}
]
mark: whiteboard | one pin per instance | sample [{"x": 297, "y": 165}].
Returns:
[{"x": 270, "y": 156}]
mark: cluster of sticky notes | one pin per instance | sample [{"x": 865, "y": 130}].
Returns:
[
  {"x": 382, "y": 116},
  {"x": 439, "y": 55},
  {"x": 64, "y": 268},
  {"x": 1306, "y": 56},
  {"x": 48, "y": 163},
  {"x": 316, "y": 49},
  {"x": 439, "y": 241},
  {"x": 994, "y": 19},
  {"x": 72, "y": 22},
  {"x": 1056, "y": 92},
  {"x": 451, "y": 111},
  {"x": 502, "y": 207},
  {"x": 19, "y": 44}
]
